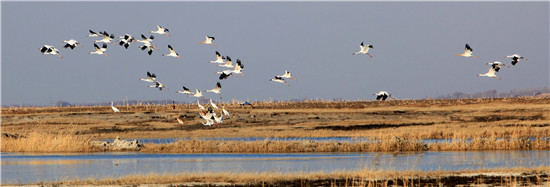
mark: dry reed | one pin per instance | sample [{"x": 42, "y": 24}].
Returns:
[
  {"x": 36, "y": 142},
  {"x": 339, "y": 178}
]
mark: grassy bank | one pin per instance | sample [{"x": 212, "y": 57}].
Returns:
[
  {"x": 483, "y": 120},
  {"x": 499, "y": 177},
  {"x": 42, "y": 143}
]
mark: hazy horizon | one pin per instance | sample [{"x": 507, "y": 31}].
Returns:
[{"x": 413, "y": 56}]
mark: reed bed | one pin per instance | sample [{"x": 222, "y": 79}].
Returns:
[
  {"x": 493, "y": 124},
  {"x": 42, "y": 143},
  {"x": 505, "y": 176},
  {"x": 389, "y": 145},
  {"x": 45, "y": 143}
]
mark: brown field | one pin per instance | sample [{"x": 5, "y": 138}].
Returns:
[
  {"x": 537, "y": 176},
  {"x": 399, "y": 123}
]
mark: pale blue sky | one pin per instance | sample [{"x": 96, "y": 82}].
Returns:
[{"x": 414, "y": 47}]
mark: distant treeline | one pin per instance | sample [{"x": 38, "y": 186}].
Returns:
[{"x": 533, "y": 92}]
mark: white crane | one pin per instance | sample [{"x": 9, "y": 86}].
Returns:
[
  {"x": 217, "y": 89},
  {"x": 515, "y": 58},
  {"x": 116, "y": 110},
  {"x": 364, "y": 49},
  {"x": 225, "y": 112},
  {"x": 219, "y": 58},
  {"x": 218, "y": 119},
  {"x": 209, "y": 122},
  {"x": 72, "y": 43},
  {"x": 151, "y": 77},
  {"x": 496, "y": 65},
  {"x": 490, "y": 73},
  {"x": 213, "y": 104},
  {"x": 228, "y": 63},
  {"x": 239, "y": 68},
  {"x": 100, "y": 51},
  {"x": 208, "y": 41},
  {"x": 146, "y": 40},
  {"x": 161, "y": 30},
  {"x": 107, "y": 38},
  {"x": 225, "y": 74},
  {"x": 198, "y": 93},
  {"x": 287, "y": 75},
  {"x": 148, "y": 46},
  {"x": 200, "y": 106},
  {"x": 158, "y": 85},
  {"x": 278, "y": 79},
  {"x": 126, "y": 40},
  {"x": 172, "y": 53},
  {"x": 94, "y": 34},
  {"x": 186, "y": 91},
  {"x": 50, "y": 50},
  {"x": 467, "y": 52},
  {"x": 383, "y": 95}
]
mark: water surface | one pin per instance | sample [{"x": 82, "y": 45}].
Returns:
[{"x": 26, "y": 168}]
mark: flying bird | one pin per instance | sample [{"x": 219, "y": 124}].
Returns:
[
  {"x": 146, "y": 40},
  {"x": 158, "y": 85},
  {"x": 172, "y": 53},
  {"x": 209, "y": 40},
  {"x": 225, "y": 75},
  {"x": 383, "y": 95},
  {"x": 467, "y": 52},
  {"x": 71, "y": 43},
  {"x": 107, "y": 38},
  {"x": 161, "y": 30},
  {"x": 100, "y": 51},
  {"x": 228, "y": 63},
  {"x": 364, "y": 49},
  {"x": 239, "y": 68},
  {"x": 94, "y": 34},
  {"x": 515, "y": 58},
  {"x": 148, "y": 46},
  {"x": 186, "y": 91},
  {"x": 496, "y": 65},
  {"x": 151, "y": 77},
  {"x": 198, "y": 93},
  {"x": 490, "y": 73},
  {"x": 126, "y": 40},
  {"x": 49, "y": 50},
  {"x": 287, "y": 75},
  {"x": 217, "y": 89},
  {"x": 116, "y": 110},
  {"x": 279, "y": 79},
  {"x": 219, "y": 58}
]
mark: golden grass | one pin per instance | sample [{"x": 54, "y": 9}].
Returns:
[
  {"x": 355, "y": 178},
  {"x": 459, "y": 119},
  {"x": 41, "y": 143}
]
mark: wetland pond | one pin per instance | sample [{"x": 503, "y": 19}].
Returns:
[{"x": 20, "y": 168}]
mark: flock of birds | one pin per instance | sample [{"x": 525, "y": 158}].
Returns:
[
  {"x": 208, "y": 114},
  {"x": 126, "y": 40},
  {"x": 495, "y": 65}
]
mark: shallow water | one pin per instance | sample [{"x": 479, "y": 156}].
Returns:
[{"x": 26, "y": 168}]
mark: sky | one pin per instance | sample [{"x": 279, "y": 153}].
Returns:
[{"x": 413, "y": 56}]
